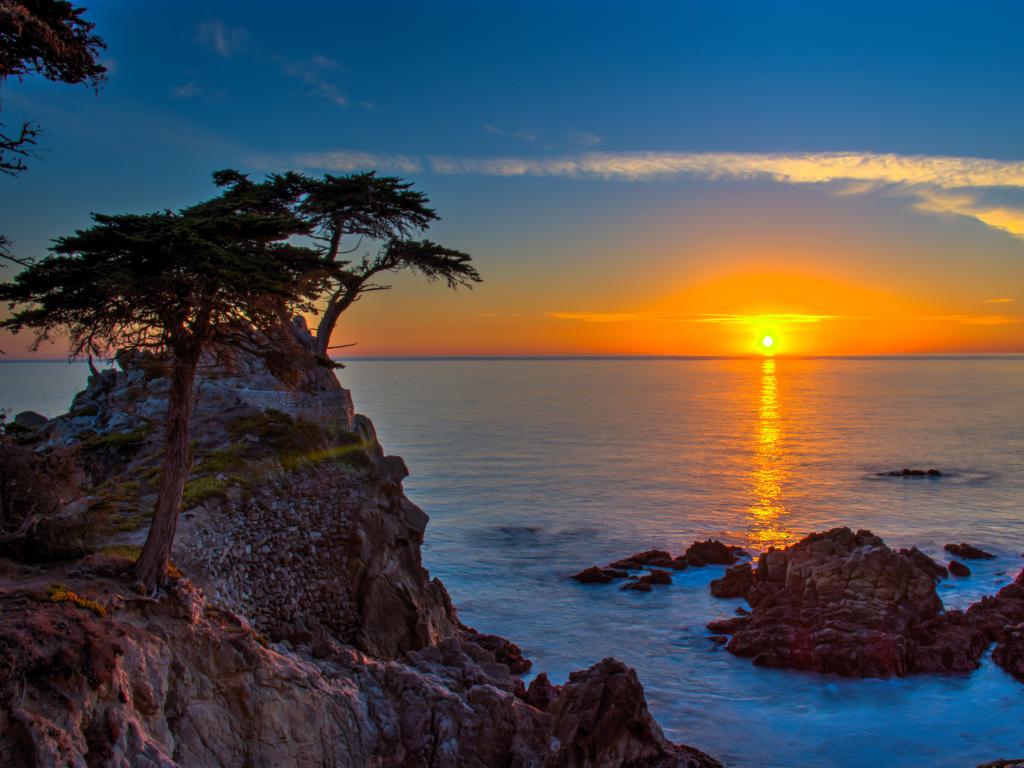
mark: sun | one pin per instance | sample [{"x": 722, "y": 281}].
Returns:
[{"x": 767, "y": 342}]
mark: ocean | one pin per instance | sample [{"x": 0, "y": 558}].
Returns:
[{"x": 532, "y": 469}]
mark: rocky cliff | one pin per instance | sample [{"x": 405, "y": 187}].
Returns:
[{"x": 302, "y": 629}]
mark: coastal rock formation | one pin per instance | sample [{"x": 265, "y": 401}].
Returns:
[
  {"x": 176, "y": 682},
  {"x": 839, "y": 602},
  {"x": 711, "y": 552},
  {"x": 925, "y": 563},
  {"x": 844, "y": 603},
  {"x": 736, "y": 582},
  {"x": 905, "y": 472},
  {"x": 324, "y": 641},
  {"x": 958, "y": 569},
  {"x": 597, "y": 575},
  {"x": 968, "y": 552}
]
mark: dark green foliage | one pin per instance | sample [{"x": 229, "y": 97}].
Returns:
[
  {"x": 383, "y": 209},
  {"x": 50, "y": 38},
  {"x": 164, "y": 280}
]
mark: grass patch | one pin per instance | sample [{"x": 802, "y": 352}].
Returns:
[
  {"x": 350, "y": 450},
  {"x": 117, "y": 440},
  {"x": 223, "y": 460},
  {"x": 122, "y": 550},
  {"x": 58, "y": 593},
  {"x": 202, "y": 488}
]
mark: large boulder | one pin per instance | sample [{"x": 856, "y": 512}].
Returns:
[{"x": 839, "y": 602}]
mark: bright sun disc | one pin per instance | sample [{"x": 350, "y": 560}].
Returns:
[{"x": 767, "y": 342}]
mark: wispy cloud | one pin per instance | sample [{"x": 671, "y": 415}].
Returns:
[
  {"x": 784, "y": 318},
  {"x": 222, "y": 40},
  {"x": 999, "y": 300},
  {"x": 524, "y": 135},
  {"x": 314, "y": 73},
  {"x": 728, "y": 319},
  {"x": 937, "y": 185},
  {"x": 346, "y": 161},
  {"x": 584, "y": 138}
]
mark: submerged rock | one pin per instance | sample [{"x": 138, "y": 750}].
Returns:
[
  {"x": 652, "y": 557},
  {"x": 912, "y": 473},
  {"x": 597, "y": 575},
  {"x": 968, "y": 552},
  {"x": 958, "y": 569}
]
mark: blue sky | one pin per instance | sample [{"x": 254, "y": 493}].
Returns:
[{"x": 584, "y": 152}]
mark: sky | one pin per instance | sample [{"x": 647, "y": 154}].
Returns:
[{"x": 660, "y": 178}]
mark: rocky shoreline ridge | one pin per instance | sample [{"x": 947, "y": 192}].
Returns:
[
  {"x": 844, "y": 603},
  {"x": 301, "y": 628}
]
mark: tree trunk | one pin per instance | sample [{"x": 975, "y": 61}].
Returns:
[
  {"x": 337, "y": 304},
  {"x": 151, "y": 567}
]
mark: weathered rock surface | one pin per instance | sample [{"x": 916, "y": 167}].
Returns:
[
  {"x": 176, "y": 682},
  {"x": 711, "y": 552},
  {"x": 968, "y": 552},
  {"x": 736, "y": 582},
  {"x": 925, "y": 563},
  {"x": 844, "y": 603},
  {"x": 329, "y": 645}
]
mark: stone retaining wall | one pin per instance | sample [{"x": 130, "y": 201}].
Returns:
[{"x": 325, "y": 408}]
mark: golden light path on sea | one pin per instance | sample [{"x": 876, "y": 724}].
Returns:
[{"x": 767, "y": 511}]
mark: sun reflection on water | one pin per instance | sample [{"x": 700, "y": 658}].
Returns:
[{"x": 767, "y": 513}]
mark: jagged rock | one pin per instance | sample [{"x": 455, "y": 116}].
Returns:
[
  {"x": 679, "y": 563},
  {"x": 844, "y": 603},
  {"x": 925, "y": 563},
  {"x": 652, "y": 557},
  {"x": 959, "y": 569},
  {"x": 839, "y": 602},
  {"x": 1009, "y": 652},
  {"x": 175, "y": 683},
  {"x": 600, "y": 720},
  {"x": 710, "y": 552},
  {"x": 968, "y": 552},
  {"x": 637, "y": 585},
  {"x": 541, "y": 692},
  {"x": 736, "y": 582},
  {"x": 597, "y": 575},
  {"x": 505, "y": 651}
]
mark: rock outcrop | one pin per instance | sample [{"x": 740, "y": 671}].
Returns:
[
  {"x": 176, "y": 682},
  {"x": 968, "y": 551},
  {"x": 324, "y": 641},
  {"x": 844, "y": 603}
]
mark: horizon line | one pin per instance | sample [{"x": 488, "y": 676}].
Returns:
[{"x": 583, "y": 357}]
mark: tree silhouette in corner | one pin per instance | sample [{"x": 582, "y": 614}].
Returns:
[{"x": 50, "y": 38}]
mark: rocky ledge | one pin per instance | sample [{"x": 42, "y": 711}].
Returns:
[
  {"x": 302, "y": 628},
  {"x": 95, "y": 675},
  {"x": 842, "y": 602}
]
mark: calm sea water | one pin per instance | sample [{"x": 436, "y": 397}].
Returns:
[{"x": 533, "y": 469}]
